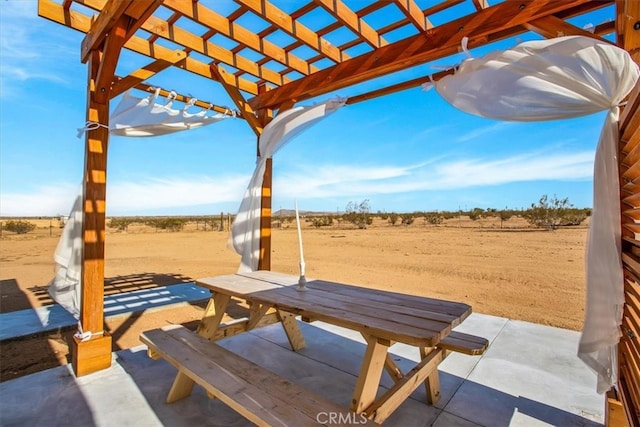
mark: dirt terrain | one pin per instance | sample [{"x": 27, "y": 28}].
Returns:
[{"x": 516, "y": 271}]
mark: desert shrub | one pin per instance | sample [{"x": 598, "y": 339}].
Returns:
[
  {"x": 322, "y": 221},
  {"x": 476, "y": 214},
  {"x": 19, "y": 226},
  {"x": 449, "y": 215},
  {"x": 505, "y": 215},
  {"x": 433, "y": 218},
  {"x": 553, "y": 213},
  {"x": 407, "y": 219},
  {"x": 358, "y": 214},
  {"x": 383, "y": 216},
  {"x": 121, "y": 224},
  {"x": 393, "y": 218},
  {"x": 172, "y": 224}
]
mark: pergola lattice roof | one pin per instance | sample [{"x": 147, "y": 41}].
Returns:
[{"x": 278, "y": 52}]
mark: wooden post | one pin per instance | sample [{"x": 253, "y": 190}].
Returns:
[
  {"x": 94, "y": 354},
  {"x": 265, "y": 219}
]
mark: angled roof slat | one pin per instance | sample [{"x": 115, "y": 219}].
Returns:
[
  {"x": 414, "y": 14},
  {"x": 135, "y": 78},
  {"x": 293, "y": 27},
  {"x": 128, "y": 14},
  {"x": 236, "y": 32},
  {"x": 550, "y": 27},
  {"x": 352, "y": 21}
]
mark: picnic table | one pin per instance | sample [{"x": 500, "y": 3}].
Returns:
[{"x": 382, "y": 317}]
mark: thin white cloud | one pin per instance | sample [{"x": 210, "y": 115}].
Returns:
[
  {"x": 48, "y": 200},
  {"x": 476, "y": 133},
  {"x": 312, "y": 182},
  {"x": 155, "y": 194},
  {"x": 21, "y": 30},
  {"x": 122, "y": 197},
  {"x": 344, "y": 181}
]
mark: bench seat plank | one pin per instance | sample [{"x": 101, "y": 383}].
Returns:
[
  {"x": 464, "y": 343},
  {"x": 259, "y": 395}
]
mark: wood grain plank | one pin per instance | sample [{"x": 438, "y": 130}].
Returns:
[{"x": 343, "y": 316}]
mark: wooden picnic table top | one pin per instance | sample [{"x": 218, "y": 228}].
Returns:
[{"x": 414, "y": 320}]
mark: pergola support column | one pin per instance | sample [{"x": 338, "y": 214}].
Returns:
[
  {"x": 265, "y": 219},
  {"x": 94, "y": 354}
]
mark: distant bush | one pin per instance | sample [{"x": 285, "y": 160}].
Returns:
[
  {"x": 407, "y": 219},
  {"x": 121, "y": 224},
  {"x": 393, "y": 218},
  {"x": 476, "y": 214},
  {"x": 433, "y": 218},
  {"x": 321, "y": 221},
  {"x": 19, "y": 226},
  {"x": 552, "y": 213},
  {"x": 173, "y": 224},
  {"x": 358, "y": 214}
]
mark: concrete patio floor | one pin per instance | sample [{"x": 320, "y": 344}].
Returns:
[{"x": 529, "y": 376}]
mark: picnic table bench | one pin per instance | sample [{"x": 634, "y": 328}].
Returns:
[
  {"x": 256, "y": 393},
  {"x": 382, "y": 317}
]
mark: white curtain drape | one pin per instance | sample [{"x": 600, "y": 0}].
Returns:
[
  {"x": 141, "y": 117},
  {"x": 64, "y": 288},
  {"x": 555, "y": 79},
  {"x": 245, "y": 231}
]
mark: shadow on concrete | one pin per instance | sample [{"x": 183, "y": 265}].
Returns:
[{"x": 12, "y": 298}]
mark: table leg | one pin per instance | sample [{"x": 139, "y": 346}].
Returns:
[
  {"x": 384, "y": 406},
  {"x": 432, "y": 382},
  {"x": 291, "y": 328},
  {"x": 213, "y": 314},
  {"x": 370, "y": 373},
  {"x": 183, "y": 385}
]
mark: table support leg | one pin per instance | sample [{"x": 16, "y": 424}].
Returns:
[
  {"x": 213, "y": 315},
  {"x": 384, "y": 406},
  {"x": 432, "y": 382},
  {"x": 370, "y": 373},
  {"x": 291, "y": 328},
  {"x": 183, "y": 385},
  {"x": 392, "y": 369}
]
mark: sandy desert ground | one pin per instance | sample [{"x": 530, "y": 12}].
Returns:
[{"x": 516, "y": 272}]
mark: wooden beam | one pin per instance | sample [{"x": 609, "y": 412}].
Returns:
[
  {"x": 439, "y": 7},
  {"x": 112, "y": 13},
  {"x": 628, "y": 26},
  {"x": 183, "y": 98},
  {"x": 438, "y": 42},
  {"x": 80, "y": 22},
  {"x": 112, "y": 48},
  {"x": 480, "y": 4},
  {"x": 410, "y": 84},
  {"x": 123, "y": 84},
  {"x": 248, "y": 113},
  {"x": 293, "y": 27},
  {"x": 264, "y": 263},
  {"x": 352, "y": 21},
  {"x": 219, "y": 23},
  {"x": 92, "y": 356},
  {"x": 550, "y": 27},
  {"x": 413, "y": 12}
]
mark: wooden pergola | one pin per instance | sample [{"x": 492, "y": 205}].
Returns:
[{"x": 270, "y": 54}]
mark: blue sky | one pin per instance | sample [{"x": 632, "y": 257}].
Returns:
[{"x": 404, "y": 152}]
